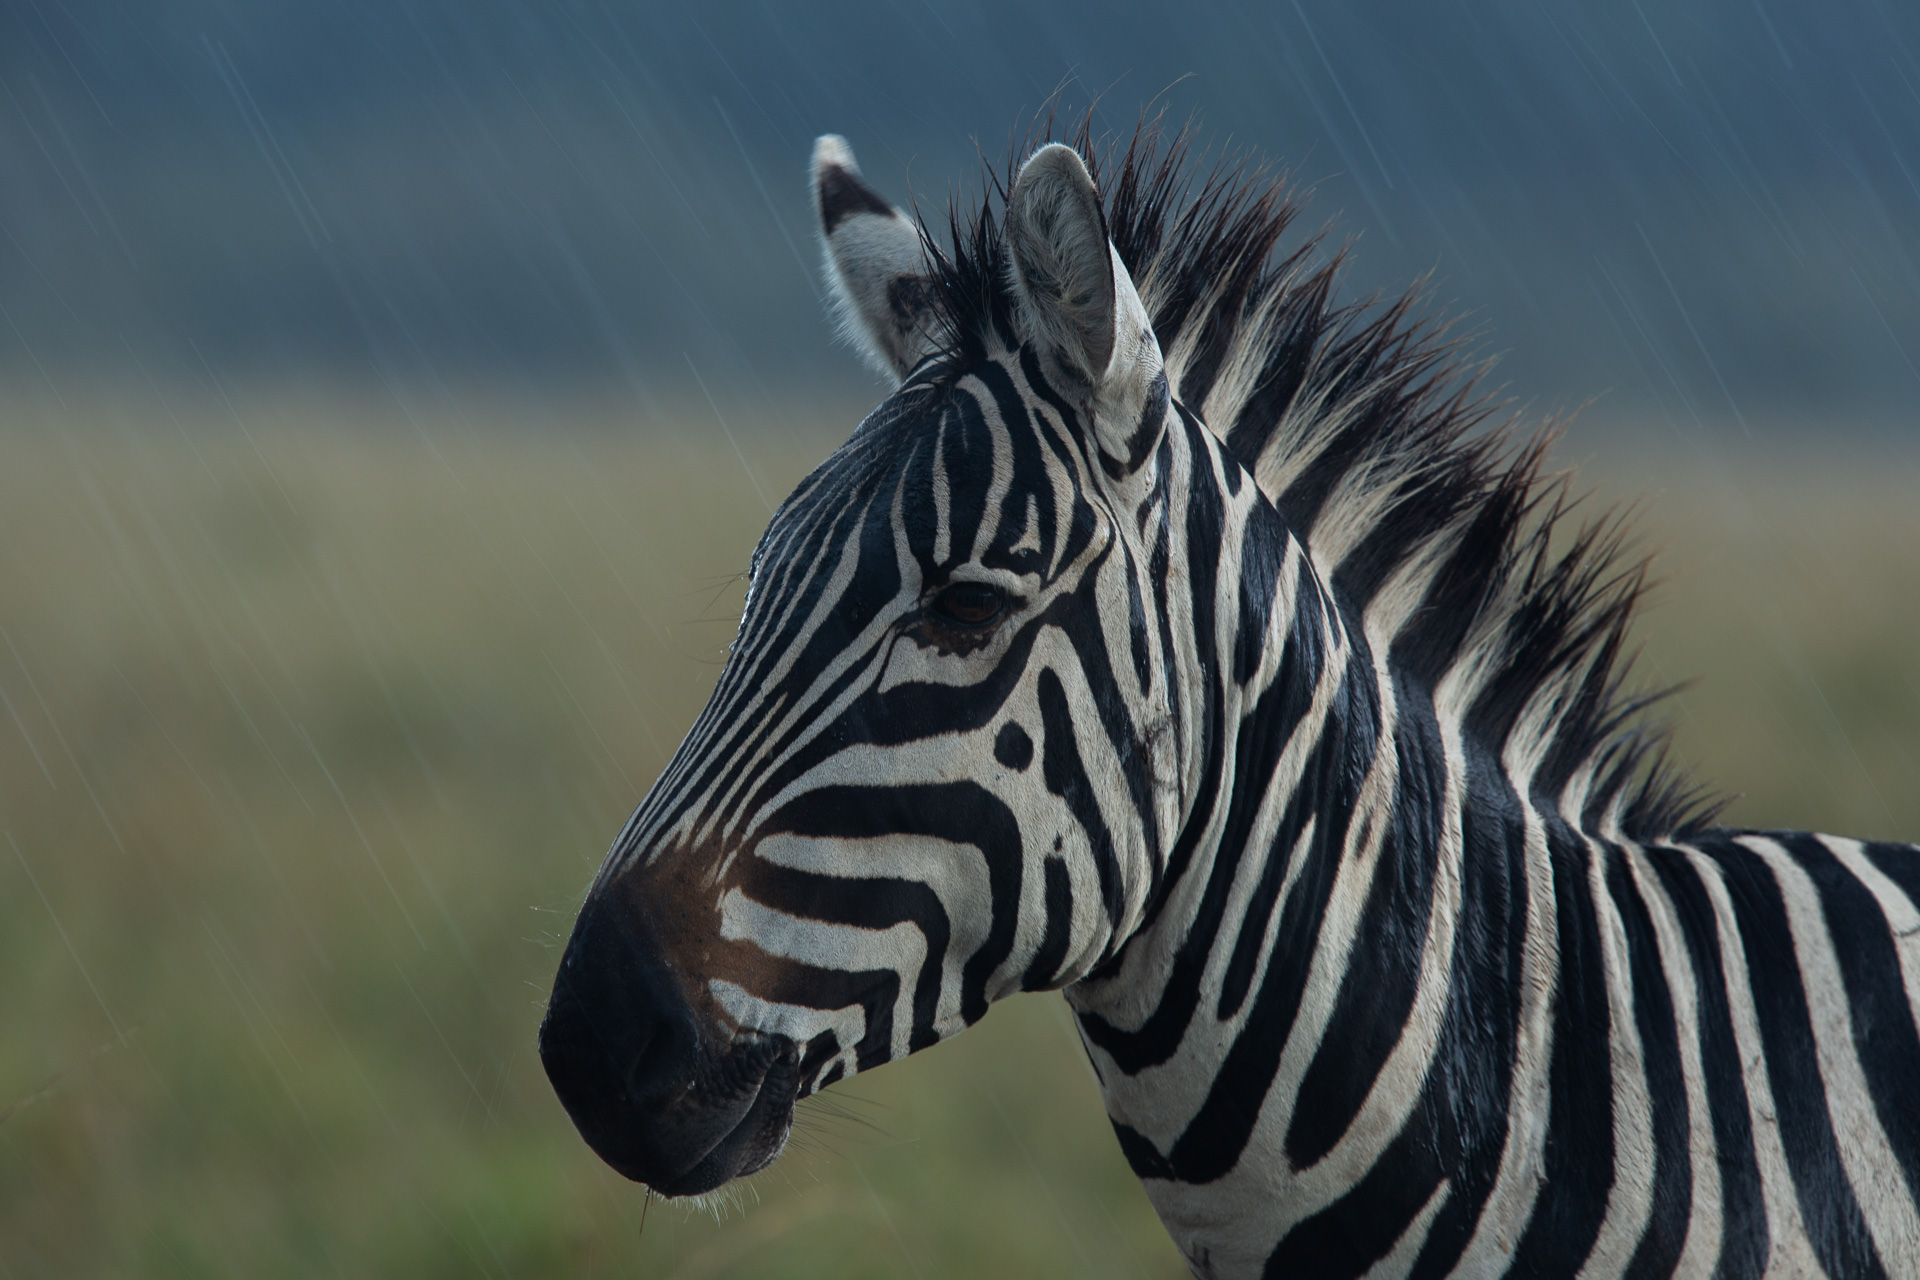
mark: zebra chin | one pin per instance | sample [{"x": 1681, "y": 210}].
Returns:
[{"x": 665, "y": 1100}]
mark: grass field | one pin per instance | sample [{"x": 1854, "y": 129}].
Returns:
[{"x": 313, "y": 733}]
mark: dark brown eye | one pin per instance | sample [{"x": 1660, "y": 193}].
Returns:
[{"x": 968, "y": 604}]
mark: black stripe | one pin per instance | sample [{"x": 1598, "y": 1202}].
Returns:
[
  {"x": 842, "y": 195},
  {"x": 1356, "y": 1231},
  {"x": 1899, "y": 863},
  {"x": 1383, "y": 971},
  {"x": 1146, "y": 432},
  {"x": 1137, "y": 641},
  {"x": 1205, "y": 517},
  {"x": 821, "y": 1049},
  {"x": 1142, "y": 1156},
  {"x": 807, "y": 986},
  {"x": 1066, "y": 777},
  {"x": 1468, "y": 1089},
  {"x": 1263, "y": 551},
  {"x": 1744, "y": 1235},
  {"x": 1827, "y": 1205},
  {"x": 1058, "y": 904}
]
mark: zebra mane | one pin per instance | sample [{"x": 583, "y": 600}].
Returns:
[{"x": 1366, "y": 426}]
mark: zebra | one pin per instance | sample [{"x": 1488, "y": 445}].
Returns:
[{"x": 1184, "y": 639}]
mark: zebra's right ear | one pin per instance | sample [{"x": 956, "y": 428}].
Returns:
[{"x": 876, "y": 264}]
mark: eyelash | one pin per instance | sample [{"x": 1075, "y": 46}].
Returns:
[{"x": 968, "y": 606}]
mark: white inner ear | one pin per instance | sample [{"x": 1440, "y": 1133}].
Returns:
[
  {"x": 873, "y": 265},
  {"x": 1063, "y": 267},
  {"x": 1078, "y": 303}
]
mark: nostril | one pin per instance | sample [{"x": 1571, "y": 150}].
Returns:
[{"x": 662, "y": 1063}]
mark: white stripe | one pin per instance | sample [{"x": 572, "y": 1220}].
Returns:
[
  {"x": 942, "y": 498},
  {"x": 849, "y": 1025},
  {"x": 837, "y": 947},
  {"x": 1630, "y": 1200},
  {"x": 1701, "y": 1251},
  {"x": 1790, "y": 1254}
]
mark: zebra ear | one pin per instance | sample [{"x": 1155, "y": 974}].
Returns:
[
  {"x": 876, "y": 264},
  {"x": 1078, "y": 303}
]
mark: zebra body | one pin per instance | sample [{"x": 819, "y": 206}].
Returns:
[{"x": 1173, "y": 643}]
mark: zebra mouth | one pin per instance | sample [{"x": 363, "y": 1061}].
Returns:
[
  {"x": 748, "y": 1144},
  {"x": 730, "y": 1119}
]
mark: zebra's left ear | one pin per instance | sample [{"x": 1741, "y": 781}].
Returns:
[
  {"x": 876, "y": 264},
  {"x": 1078, "y": 304}
]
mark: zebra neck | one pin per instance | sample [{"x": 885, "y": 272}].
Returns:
[
  {"x": 1299, "y": 946},
  {"x": 1287, "y": 783}
]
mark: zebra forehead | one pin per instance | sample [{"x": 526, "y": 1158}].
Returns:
[{"x": 963, "y": 471}]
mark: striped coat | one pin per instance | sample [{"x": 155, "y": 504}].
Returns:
[{"x": 1179, "y": 638}]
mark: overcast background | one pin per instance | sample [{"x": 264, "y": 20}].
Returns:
[
  {"x": 369, "y": 535},
  {"x": 1703, "y": 212}
]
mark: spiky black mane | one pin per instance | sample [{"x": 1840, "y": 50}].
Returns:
[{"x": 1365, "y": 425}]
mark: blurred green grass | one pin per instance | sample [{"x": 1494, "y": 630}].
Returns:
[{"x": 315, "y": 729}]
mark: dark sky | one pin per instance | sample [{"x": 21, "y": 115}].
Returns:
[{"x": 1712, "y": 207}]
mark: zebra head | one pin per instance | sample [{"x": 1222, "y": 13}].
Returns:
[{"x": 946, "y": 756}]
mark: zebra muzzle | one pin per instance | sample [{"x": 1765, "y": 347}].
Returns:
[{"x": 661, "y": 1100}]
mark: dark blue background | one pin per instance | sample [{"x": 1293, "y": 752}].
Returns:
[{"x": 1706, "y": 211}]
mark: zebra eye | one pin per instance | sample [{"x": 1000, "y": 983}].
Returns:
[{"x": 968, "y": 604}]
